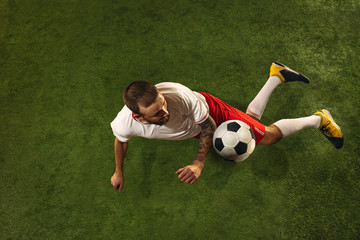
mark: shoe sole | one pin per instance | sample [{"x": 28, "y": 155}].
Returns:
[{"x": 291, "y": 75}]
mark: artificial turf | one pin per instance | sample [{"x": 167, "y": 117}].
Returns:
[{"x": 64, "y": 66}]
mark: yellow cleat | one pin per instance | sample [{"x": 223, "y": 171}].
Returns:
[
  {"x": 330, "y": 129},
  {"x": 286, "y": 74}
]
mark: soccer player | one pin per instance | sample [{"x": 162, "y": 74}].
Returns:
[{"x": 174, "y": 112}]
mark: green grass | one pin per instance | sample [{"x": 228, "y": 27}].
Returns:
[{"x": 65, "y": 64}]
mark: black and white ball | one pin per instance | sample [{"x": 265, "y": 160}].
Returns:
[{"x": 234, "y": 140}]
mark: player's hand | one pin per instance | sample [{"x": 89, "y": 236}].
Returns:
[
  {"x": 190, "y": 173},
  {"x": 117, "y": 180}
]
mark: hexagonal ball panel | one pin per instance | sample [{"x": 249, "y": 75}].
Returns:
[
  {"x": 228, "y": 153},
  {"x": 241, "y": 157},
  {"x": 230, "y": 139},
  {"x": 251, "y": 146},
  {"x": 244, "y": 135}
]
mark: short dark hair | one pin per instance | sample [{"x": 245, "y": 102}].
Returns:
[{"x": 140, "y": 93}]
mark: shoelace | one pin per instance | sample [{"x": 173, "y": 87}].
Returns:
[{"x": 326, "y": 130}]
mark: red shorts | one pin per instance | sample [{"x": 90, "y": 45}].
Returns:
[{"x": 221, "y": 112}]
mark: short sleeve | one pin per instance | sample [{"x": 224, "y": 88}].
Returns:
[
  {"x": 119, "y": 133},
  {"x": 121, "y": 125},
  {"x": 196, "y": 105}
]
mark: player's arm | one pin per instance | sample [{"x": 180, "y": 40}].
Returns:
[
  {"x": 208, "y": 128},
  {"x": 117, "y": 180},
  {"x": 192, "y": 172}
]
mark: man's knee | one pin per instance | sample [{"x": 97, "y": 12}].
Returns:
[{"x": 272, "y": 135}]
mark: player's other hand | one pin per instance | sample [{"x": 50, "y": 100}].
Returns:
[
  {"x": 190, "y": 173},
  {"x": 117, "y": 180}
]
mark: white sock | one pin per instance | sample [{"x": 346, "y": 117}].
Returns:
[
  {"x": 291, "y": 126},
  {"x": 257, "y": 106}
]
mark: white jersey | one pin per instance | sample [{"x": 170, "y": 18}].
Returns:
[{"x": 187, "y": 109}]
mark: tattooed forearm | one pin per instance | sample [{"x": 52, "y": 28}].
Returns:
[{"x": 207, "y": 131}]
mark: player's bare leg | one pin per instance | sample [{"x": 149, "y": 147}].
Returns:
[{"x": 272, "y": 135}]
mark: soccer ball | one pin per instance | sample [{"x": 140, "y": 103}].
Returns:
[{"x": 234, "y": 140}]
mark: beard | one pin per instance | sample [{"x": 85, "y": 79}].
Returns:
[{"x": 161, "y": 122}]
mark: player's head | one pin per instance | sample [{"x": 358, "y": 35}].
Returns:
[{"x": 146, "y": 102}]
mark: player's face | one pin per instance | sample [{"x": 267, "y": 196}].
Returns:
[{"x": 157, "y": 112}]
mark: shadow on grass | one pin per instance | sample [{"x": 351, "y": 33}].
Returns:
[
  {"x": 149, "y": 155},
  {"x": 221, "y": 172},
  {"x": 273, "y": 163}
]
